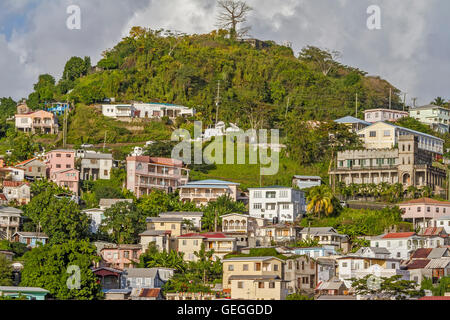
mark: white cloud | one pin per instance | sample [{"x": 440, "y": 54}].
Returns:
[{"x": 410, "y": 50}]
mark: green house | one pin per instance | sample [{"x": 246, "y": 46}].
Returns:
[{"x": 29, "y": 292}]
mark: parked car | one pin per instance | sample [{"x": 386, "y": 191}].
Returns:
[
  {"x": 344, "y": 204},
  {"x": 86, "y": 146}
]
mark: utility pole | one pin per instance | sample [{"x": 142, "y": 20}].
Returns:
[
  {"x": 404, "y": 102},
  {"x": 414, "y": 102},
  {"x": 390, "y": 98},
  {"x": 104, "y": 142},
  {"x": 356, "y": 103},
  {"x": 217, "y": 101},
  {"x": 287, "y": 107},
  {"x": 65, "y": 128}
]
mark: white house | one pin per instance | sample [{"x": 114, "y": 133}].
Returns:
[
  {"x": 438, "y": 118},
  {"x": 305, "y": 182},
  {"x": 96, "y": 217},
  {"x": 376, "y": 115},
  {"x": 401, "y": 244},
  {"x": 326, "y": 236},
  {"x": 281, "y": 203},
  {"x": 17, "y": 191},
  {"x": 443, "y": 222},
  {"x": 159, "y": 110},
  {"x": 118, "y": 111},
  {"x": 14, "y": 174},
  {"x": 96, "y": 166}
]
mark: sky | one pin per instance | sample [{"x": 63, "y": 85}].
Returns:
[{"x": 411, "y": 50}]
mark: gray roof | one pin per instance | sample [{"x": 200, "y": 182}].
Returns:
[
  {"x": 320, "y": 230},
  {"x": 254, "y": 277},
  {"x": 331, "y": 285},
  {"x": 437, "y": 253},
  {"x": 438, "y": 263},
  {"x": 153, "y": 233},
  {"x": 140, "y": 272},
  {"x": 168, "y": 219},
  {"x": 111, "y": 202},
  {"x": 375, "y": 250},
  {"x": 350, "y": 119},
  {"x": 428, "y": 106},
  {"x": 308, "y": 177},
  {"x": 92, "y": 155},
  {"x": 23, "y": 289},
  {"x": 251, "y": 258},
  {"x": 32, "y": 234},
  {"x": 185, "y": 213},
  {"x": 10, "y": 210}
]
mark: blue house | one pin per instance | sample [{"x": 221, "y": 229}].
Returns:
[
  {"x": 58, "y": 108},
  {"x": 315, "y": 252},
  {"x": 31, "y": 239}
]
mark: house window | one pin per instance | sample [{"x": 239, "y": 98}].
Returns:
[
  {"x": 284, "y": 194},
  {"x": 271, "y": 285},
  {"x": 230, "y": 267},
  {"x": 245, "y": 267},
  {"x": 419, "y": 209},
  {"x": 344, "y": 265},
  {"x": 257, "y": 194},
  {"x": 58, "y": 155},
  {"x": 68, "y": 166},
  {"x": 257, "y": 206},
  {"x": 271, "y": 195},
  {"x": 305, "y": 280},
  {"x": 286, "y": 206},
  {"x": 428, "y": 209},
  {"x": 184, "y": 242},
  {"x": 388, "y": 244},
  {"x": 261, "y": 285},
  {"x": 387, "y": 133},
  {"x": 173, "y": 227},
  {"x": 275, "y": 267},
  {"x": 240, "y": 285},
  {"x": 373, "y": 134}
]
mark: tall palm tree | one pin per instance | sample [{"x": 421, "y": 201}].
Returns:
[
  {"x": 321, "y": 200},
  {"x": 439, "y": 101}
]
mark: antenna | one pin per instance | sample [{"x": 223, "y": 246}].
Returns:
[
  {"x": 217, "y": 101},
  {"x": 404, "y": 101},
  {"x": 390, "y": 98},
  {"x": 414, "y": 102},
  {"x": 356, "y": 103}
]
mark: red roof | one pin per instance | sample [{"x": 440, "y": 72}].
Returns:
[
  {"x": 399, "y": 235},
  {"x": 208, "y": 235},
  {"x": 418, "y": 264},
  {"x": 160, "y": 161},
  {"x": 425, "y": 201},
  {"x": 421, "y": 253},
  {"x": 24, "y": 162},
  {"x": 434, "y": 298},
  {"x": 14, "y": 184},
  {"x": 149, "y": 293},
  {"x": 434, "y": 231}
]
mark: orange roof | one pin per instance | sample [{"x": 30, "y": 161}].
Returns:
[
  {"x": 149, "y": 293},
  {"x": 14, "y": 183},
  {"x": 160, "y": 161},
  {"x": 399, "y": 235},
  {"x": 24, "y": 162},
  {"x": 425, "y": 201}
]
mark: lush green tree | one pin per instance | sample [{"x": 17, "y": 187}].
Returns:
[
  {"x": 124, "y": 221},
  {"x": 152, "y": 258},
  {"x": 323, "y": 59},
  {"x": 46, "y": 267},
  {"x": 22, "y": 145},
  {"x": 186, "y": 282},
  {"x": 19, "y": 249},
  {"x": 60, "y": 219},
  {"x": 44, "y": 91},
  {"x": 76, "y": 67},
  {"x": 158, "y": 201},
  {"x": 298, "y": 296},
  {"x": 205, "y": 267},
  {"x": 322, "y": 201},
  {"x": 439, "y": 101},
  {"x": 386, "y": 288},
  {"x": 214, "y": 210},
  {"x": 439, "y": 289},
  {"x": 6, "y": 271},
  {"x": 160, "y": 149}
]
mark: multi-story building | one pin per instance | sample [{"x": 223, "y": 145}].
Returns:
[
  {"x": 159, "y": 238},
  {"x": 121, "y": 256},
  {"x": 34, "y": 169},
  {"x": 202, "y": 192},
  {"x": 9, "y": 222},
  {"x": 194, "y": 217},
  {"x": 280, "y": 203},
  {"x": 37, "y": 122},
  {"x": 68, "y": 178},
  {"x": 57, "y": 160},
  {"x": 402, "y": 244},
  {"x": 255, "y": 278},
  {"x": 377, "y": 115},
  {"x": 438, "y": 118},
  {"x": 172, "y": 224},
  {"x": 146, "y": 173},
  {"x": 159, "y": 110},
  {"x": 17, "y": 191},
  {"x": 96, "y": 166},
  {"x": 421, "y": 211},
  {"x": 406, "y": 164},
  {"x": 326, "y": 236},
  {"x": 442, "y": 222},
  {"x": 118, "y": 111},
  {"x": 305, "y": 182},
  {"x": 242, "y": 227},
  {"x": 277, "y": 233},
  {"x": 301, "y": 274},
  {"x": 383, "y": 135},
  {"x": 217, "y": 241}
]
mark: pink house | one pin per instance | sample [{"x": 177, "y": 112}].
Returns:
[
  {"x": 422, "y": 211},
  {"x": 61, "y": 169},
  {"x": 121, "y": 256},
  {"x": 147, "y": 173}
]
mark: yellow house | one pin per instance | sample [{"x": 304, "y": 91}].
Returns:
[
  {"x": 217, "y": 241},
  {"x": 174, "y": 225},
  {"x": 254, "y": 278}
]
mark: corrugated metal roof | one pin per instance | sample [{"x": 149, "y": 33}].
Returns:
[{"x": 438, "y": 263}]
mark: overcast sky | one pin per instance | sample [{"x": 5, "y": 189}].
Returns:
[{"x": 412, "y": 49}]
